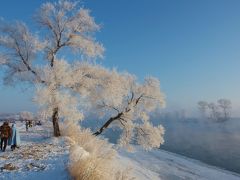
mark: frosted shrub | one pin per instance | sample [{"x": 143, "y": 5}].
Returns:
[
  {"x": 77, "y": 153},
  {"x": 92, "y": 158}
]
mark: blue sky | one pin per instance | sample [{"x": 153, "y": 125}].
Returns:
[{"x": 193, "y": 47}]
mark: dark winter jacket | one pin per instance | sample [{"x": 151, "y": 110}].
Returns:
[{"x": 5, "y": 130}]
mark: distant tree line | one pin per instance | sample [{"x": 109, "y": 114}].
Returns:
[{"x": 219, "y": 112}]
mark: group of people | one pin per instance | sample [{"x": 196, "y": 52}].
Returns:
[{"x": 9, "y": 136}]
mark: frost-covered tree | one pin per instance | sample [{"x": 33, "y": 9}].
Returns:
[
  {"x": 214, "y": 111},
  {"x": 126, "y": 104},
  {"x": 35, "y": 57},
  {"x": 65, "y": 88},
  {"x": 225, "y": 105},
  {"x": 76, "y": 79},
  {"x": 25, "y": 115},
  {"x": 113, "y": 95},
  {"x": 218, "y": 112}
]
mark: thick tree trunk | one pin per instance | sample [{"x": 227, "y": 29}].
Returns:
[
  {"x": 105, "y": 126},
  {"x": 55, "y": 119}
]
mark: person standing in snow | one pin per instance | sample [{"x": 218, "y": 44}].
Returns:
[
  {"x": 14, "y": 140},
  {"x": 5, "y": 132},
  {"x": 26, "y": 124}
]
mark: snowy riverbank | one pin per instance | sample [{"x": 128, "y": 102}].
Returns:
[{"x": 41, "y": 157}]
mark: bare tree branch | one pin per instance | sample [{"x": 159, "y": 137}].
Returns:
[{"x": 107, "y": 123}]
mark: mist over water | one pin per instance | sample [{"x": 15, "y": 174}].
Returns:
[{"x": 213, "y": 143}]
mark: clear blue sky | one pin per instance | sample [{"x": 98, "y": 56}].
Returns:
[{"x": 193, "y": 47}]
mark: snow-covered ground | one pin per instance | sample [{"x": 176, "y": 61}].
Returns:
[
  {"x": 159, "y": 164},
  {"x": 41, "y": 157}
]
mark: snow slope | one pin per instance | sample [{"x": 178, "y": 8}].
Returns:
[
  {"x": 41, "y": 157},
  {"x": 159, "y": 164}
]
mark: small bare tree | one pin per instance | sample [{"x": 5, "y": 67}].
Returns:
[
  {"x": 218, "y": 112},
  {"x": 214, "y": 112},
  {"x": 225, "y": 105}
]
